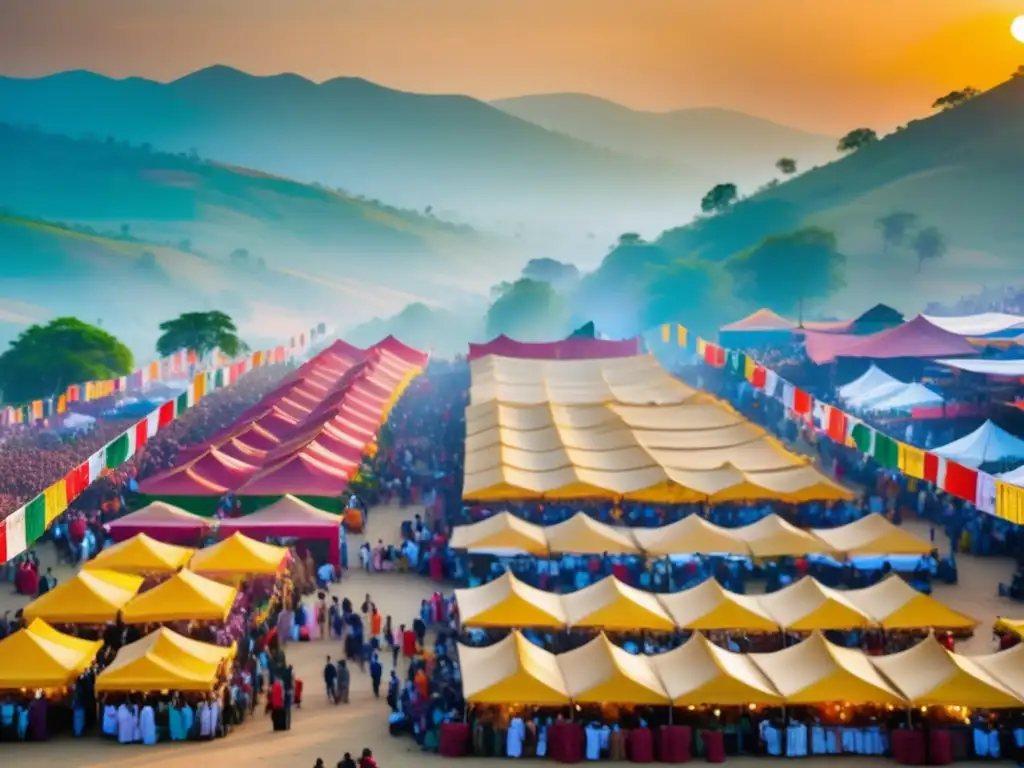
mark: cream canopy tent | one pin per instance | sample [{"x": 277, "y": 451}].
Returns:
[
  {"x": 709, "y": 606},
  {"x": 772, "y": 536},
  {"x": 581, "y": 534},
  {"x": 509, "y": 602},
  {"x": 610, "y": 604},
  {"x": 809, "y": 605},
  {"x": 512, "y": 671},
  {"x": 873, "y": 378},
  {"x": 619, "y": 428},
  {"x": 894, "y": 605},
  {"x": 873, "y": 535},
  {"x": 691, "y": 534},
  {"x": 501, "y": 532},
  {"x": 600, "y": 672}
]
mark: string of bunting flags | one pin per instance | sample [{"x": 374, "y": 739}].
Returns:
[
  {"x": 984, "y": 491},
  {"x": 175, "y": 366},
  {"x": 20, "y": 529}
]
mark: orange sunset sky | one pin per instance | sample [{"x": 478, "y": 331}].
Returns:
[{"x": 825, "y": 65}]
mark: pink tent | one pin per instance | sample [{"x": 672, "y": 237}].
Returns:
[
  {"x": 290, "y": 517},
  {"x": 567, "y": 349},
  {"x": 219, "y": 468},
  {"x": 162, "y": 522},
  {"x": 761, "y": 320},
  {"x": 413, "y": 358},
  {"x": 917, "y": 338},
  {"x": 301, "y": 475},
  {"x": 182, "y": 481}
]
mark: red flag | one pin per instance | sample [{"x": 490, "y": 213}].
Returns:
[
  {"x": 802, "y": 402},
  {"x": 837, "y": 425},
  {"x": 759, "y": 378},
  {"x": 141, "y": 434},
  {"x": 931, "y": 467},
  {"x": 3, "y": 541},
  {"x": 961, "y": 481},
  {"x": 76, "y": 481},
  {"x": 166, "y": 414}
]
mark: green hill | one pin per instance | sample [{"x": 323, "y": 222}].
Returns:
[
  {"x": 958, "y": 170},
  {"x": 720, "y": 144},
  {"x": 452, "y": 152}
]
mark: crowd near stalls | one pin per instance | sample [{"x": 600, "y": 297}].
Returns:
[{"x": 151, "y": 642}]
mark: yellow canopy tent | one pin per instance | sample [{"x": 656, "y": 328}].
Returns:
[
  {"x": 691, "y": 534},
  {"x": 602, "y": 672},
  {"x": 141, "y": 555},
  {"x": 699, "y": 672},
  {"x": 508, "y": 602},
  {"x": 1007, "y": 667},
  {"x": 894, "y": 604},
  {"x": 88, "y": 597},
  {"x": 41, "y": 657},
  {"x": 817, "y": 672},
  {"x": 512, "y": 671},
  {"x": 183, "y": 597},
  {"x": 503, "y": 531},
  {"x": 774, "y": 537},
  {"x": 238, "y": 556},
  {"x": 1015, "y": 626},
  {"x": 610, "y": 604},
  {"x": 581, "y": 534},
  {"x": 873, "y": 535},
  {"x": 808, "y": 605},
  {"x": 929, "y": 675},
  {"x": 164, "y": 661},
  {"x": 709, "y": 606}
]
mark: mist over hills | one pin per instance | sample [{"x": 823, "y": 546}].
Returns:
[
  {"x": 722, "y": 144},
  {"x": 449, "y": 152}
]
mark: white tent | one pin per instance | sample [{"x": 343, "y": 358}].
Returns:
[
  {"x": 1016, "y": 477},
  {"x": 982, "y": 324},
  {"x": 910, "y": 396},
  {"x": 871, "y": 379},
  {"x": 988, "y": 444},
  {"x": 77, "y": 421},
  {"x": 1012, "y": 368},
  {"x": 881, "y": 392}
]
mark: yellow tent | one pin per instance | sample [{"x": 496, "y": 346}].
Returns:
[
  {"x": 88, "y": 597},
  {"x": 239, "y": 556},
  {"x": 709, "y": 606},
  {"x": 1015, "y": 626},
  {"x": 691, "y": 534},
  {"x": 1005, "y": 666},
  {"x": 610, "y": 604},
  {"x": 602, "y": 672},
  {"x": 142, "y": 555},
  {"x": 817, "y": 672},
  {"x": 503, "y": 531},
  {"x": 581, "y": 534},
  {"x": 894, "y": 604},
  {"x": 699, "y": 672},
  {"x": 929, "y": 675},
  {"x": 774, "y": 537},
  {"x": 873, "y": 535},
  {"x": 183, "y": 597},
  {"x": 512, "y": 671},
  {"x": 807, "y": 605},
  {"x": 164, "y": 661},
  {"x": 41, "y": 657},
  {"x": 508, "y": 602}
]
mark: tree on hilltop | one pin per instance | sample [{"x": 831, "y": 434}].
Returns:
[
  {"x": 46, "y": 359},
  {"x": 895, "y": 227},
  {"x": 719, "y": 198},
  {"x": 530, "y": 310},
  {"x": 786, "y": 165},
  {"x": 857, "y": 139},
  {"x": 783, "y": 271},
  {"x": 200, "y": 332},
  {"x": 929, "y": 245},
  {"x": 955, "y": 98}
]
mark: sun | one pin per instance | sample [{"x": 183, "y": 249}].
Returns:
[{"x": 1017, "y": 28}]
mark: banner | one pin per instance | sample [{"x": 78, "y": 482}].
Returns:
[
  {"x": 174, "y": 366},
  {"x": 21, "y": 529},
  {"x": 984, "y": 491}
]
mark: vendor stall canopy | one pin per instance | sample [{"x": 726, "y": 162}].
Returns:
[
  {"x": 915, "y": 339},
  {"x": 239, "y": 556},
  {"x": 164, "y": 661},
  {"x": 803, "y": 606},
  {"x": 88, "y": 597},
  {"x": 769, "y": 537},
  {"x": 41, "y": 657},
  {"x": 813, "y": 672},
  {"x": 186, "y": 596},
  {"x": 141, "y": 555},
  {"x": 619, "y": 428}
]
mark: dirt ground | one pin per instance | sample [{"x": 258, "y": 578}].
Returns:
[{"x": 327, "y": 731}]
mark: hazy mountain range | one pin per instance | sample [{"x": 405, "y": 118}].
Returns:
[{"x": 720, "y": 144}]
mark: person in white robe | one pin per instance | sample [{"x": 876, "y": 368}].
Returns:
[
  {"x": 514, "y": 739},
  {"x": 205, "y": 721},
  {"x": 126, "y": 724},
  {"x": 110, "y": 720},
  {"x": 147, "y": 725}
]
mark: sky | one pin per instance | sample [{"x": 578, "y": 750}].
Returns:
[{"x": 824, "y": 65}]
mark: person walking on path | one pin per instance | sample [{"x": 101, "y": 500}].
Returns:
[
  {"x": 376, "y": 671},
  {"x": 331, "y": 681},
  {"x": 344, "y": 680}
]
